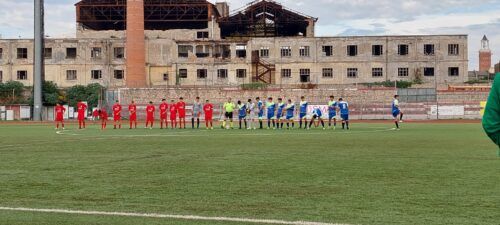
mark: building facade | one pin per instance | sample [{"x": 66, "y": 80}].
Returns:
[{"x": 213, "y": 55}]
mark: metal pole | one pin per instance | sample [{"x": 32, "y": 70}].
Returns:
[{"x": 38, "y": 61}]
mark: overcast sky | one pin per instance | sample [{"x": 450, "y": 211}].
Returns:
[{"x": 336, "y": 17}]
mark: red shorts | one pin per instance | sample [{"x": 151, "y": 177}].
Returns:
[
  {"x": 173, "y": 117},
  {"x": 208, "y": 117},
  {"x": 150, "y": 119},
  {"x": 163, "y": 116},
  {"x": 182, "y": 114},
  {"x": 59, "y": 118},
  {"x": 117, "y": 118}
]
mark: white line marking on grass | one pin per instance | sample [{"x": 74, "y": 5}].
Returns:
[{"x": 155, "y": 215}]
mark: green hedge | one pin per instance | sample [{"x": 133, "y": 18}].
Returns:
[
  {"x": 399, "y": 84},
  {"x": 253, "y": 86}
]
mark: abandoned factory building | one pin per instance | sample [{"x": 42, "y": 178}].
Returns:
[{"x": 154, "y": 43}]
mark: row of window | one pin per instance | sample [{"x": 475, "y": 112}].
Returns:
[
  {"x": 376, "y": 72},
  {"x": 203, "y": 73},
  {"x": 242, "y": 73},
  {"x": 71, "y": 75},
  {"x": 71, "y": 53},
  {"x": 352, "y": 50},
  {"x": 285, "y": 51}
]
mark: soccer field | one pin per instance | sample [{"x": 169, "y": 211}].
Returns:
[{"x": 430, "y": 173}]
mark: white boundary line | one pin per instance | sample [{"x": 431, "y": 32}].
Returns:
[
  {"x": 206, "y": 134},
  {"x": 155, "y": 215}
]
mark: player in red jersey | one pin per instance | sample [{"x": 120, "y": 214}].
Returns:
[
  {"x": 150, "y": 115},
  {"x": 132, "y": 112},
  {"x": 59, "y": 111},
  {"x": 173, "y": 114},
  {"x": 82, "y": 111},
  {"x": 163, "y": 113},
  {"x": 208, "y": 109},
  {"x": 117, "y": 115},
  {"x": 103, "y": 114},
  {"x": 181, "y": 108},
  {"x": 95, "y": 115}
]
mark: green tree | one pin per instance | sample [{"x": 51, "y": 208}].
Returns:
[
  {"x": 51, "y": 94},
  {"x": 89, "y": 94},
  {"x": 12, "y": 92}
]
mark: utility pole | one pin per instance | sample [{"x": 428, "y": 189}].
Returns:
[{"x": 38, "y": 67}]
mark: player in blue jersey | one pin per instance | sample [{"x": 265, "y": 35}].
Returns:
[
  {"x": 271, "y": 113},
  {"x": 332, "y": 112},
  {"x": 242, "y": 113},
  {"x": 260, "y": 111},
  {"x": 396, "y": 111},
  {"x": 316, "y": 115},
  {"x": 290, "y": 113},
  {"x": 303, "y": 112},
  {"x": 344, "y": 113},
  {"x": 280, "y": 114}
]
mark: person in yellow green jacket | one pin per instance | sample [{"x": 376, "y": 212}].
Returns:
[{"x": 491, "y": 118}]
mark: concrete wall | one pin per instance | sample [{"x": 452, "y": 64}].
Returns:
[{"x": 162, "y": 57}]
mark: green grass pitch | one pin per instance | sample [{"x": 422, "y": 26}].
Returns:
[{"x": 371, "y": 175}]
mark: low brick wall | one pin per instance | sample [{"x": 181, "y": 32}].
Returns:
[{"x": 364, "y": 103}]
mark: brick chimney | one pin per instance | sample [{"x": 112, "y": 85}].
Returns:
[{"x": 135, "y": 45}]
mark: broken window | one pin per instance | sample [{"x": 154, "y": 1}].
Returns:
[
  {"x": 286, "y": 73},
  {"x": 304, "y": 51},
  {"x": 183, "y": 73},
  {"x": 327, "y": 50},
  {"x": 1, "y": 76},
  {"x": 119, "y": 52},
  {"x": 429, "y": 49},
  {"x": 403, "y": 72},
  {"x": 352, "y": 50},
  {"x": 95, "y": 53},
  {"x": 352, "y": 72},
  {"x": 202, "y": 34},
  {"x": 327, "y": 72},
  {"x": 165, "y": 77},
  {"x": 202, "y": 51},
  {"x": 1, "y": 53},
  {"x": 241, "y": 51},
  {"x": 429, "y": 71},
  {"x": 286, "y": 51},
  {"x": 305, "y": 75},
  {"x": 222, "y": 73},
  {"x": 47, "y": 53},
  {"x": 96, "y": 74},
  {"x": 22, "y": 75},
  {"x": 377, "y": 72},
  {"x": 70, "y": 53},
  {"x": 222, "y": 51},
  {"x": 201, "y": 73},
  {"x": 377, "y": 50},
  {"x": 264, "y": 52},
  {"x": 453, "y": 71},
  {"x": 71, "y": 75},
  {"x": 453, "y": 49},
  {"x": 118, "y": 74},
  {"x": 184, "y": 50},
  {"x": 241, "y": 73},
  {"x": 22, "y": 53},
  {"x": 403, "y": 49}
]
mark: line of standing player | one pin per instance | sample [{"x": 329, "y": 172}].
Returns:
[{"x": 277, "y": 114}]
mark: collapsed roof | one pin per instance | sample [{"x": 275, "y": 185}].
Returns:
[
  {"x": 158, "y": 14},
  {"x": 265, "y": 18}
]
